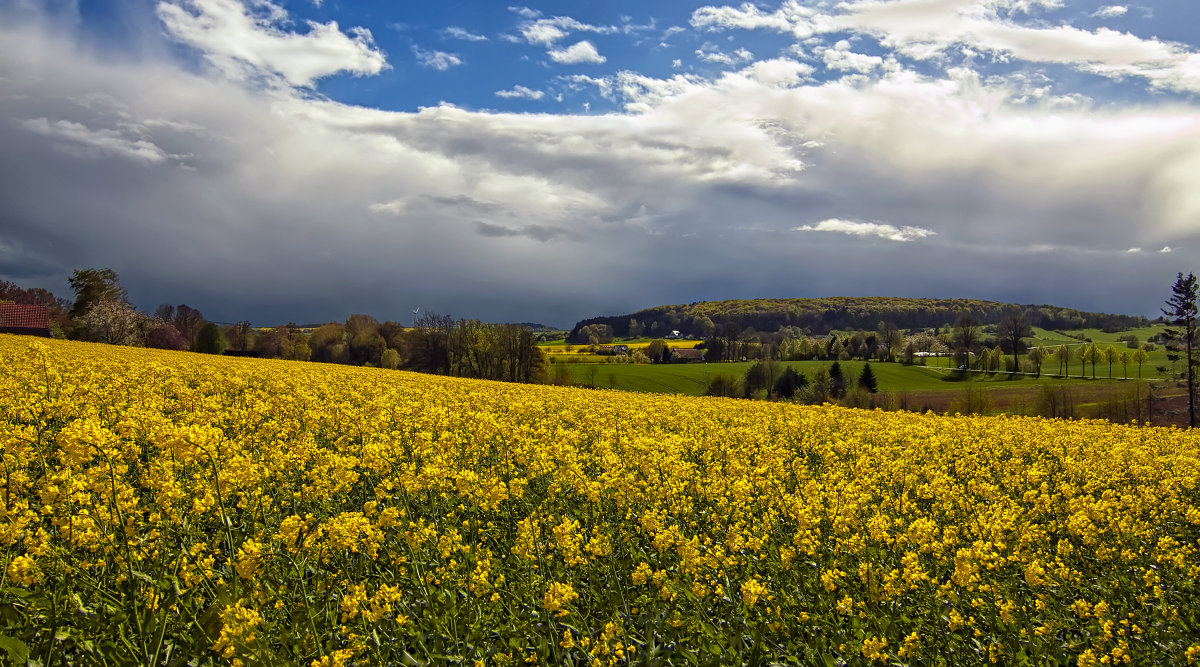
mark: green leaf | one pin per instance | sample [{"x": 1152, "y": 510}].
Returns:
[{"x": 16, "y": 649}]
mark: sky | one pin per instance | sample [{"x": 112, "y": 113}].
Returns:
[{"x": 303, "y": 160}]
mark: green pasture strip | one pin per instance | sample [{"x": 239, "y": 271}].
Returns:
[{"x": 692, "y": 379}]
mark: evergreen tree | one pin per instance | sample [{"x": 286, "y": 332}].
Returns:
[
  {"x": 1182, "y": 311},
  {"x": 837, "y": 381},
  {"x": 790, "y": 382},
  {"x": 866, "y": 379}
]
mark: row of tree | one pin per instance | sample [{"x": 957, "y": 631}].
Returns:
[
  {"x": 821, "y": 316},
  {"x": 101, "y": 312},
  {"x": 772, "y": 380}
]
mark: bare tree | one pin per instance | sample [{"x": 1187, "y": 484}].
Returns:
[{"x": 1011, "y": 329}]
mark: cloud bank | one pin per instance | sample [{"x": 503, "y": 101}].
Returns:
[{"x": 837, "y": 167}]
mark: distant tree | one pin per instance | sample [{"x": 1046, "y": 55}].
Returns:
[
  {"x": 389, "y": 359},
  {"x": 270, "y": 344},
  {"x": 1140, "y": 357},
  {"x": 866, "y": 379},
  {"x": 722, "y": 384},
  {"x": 635, "y": 328},
  {"x": 239, "y": 336},
  {"x": 1111, "y": 356},
  {"x": 393, "y": 334},
  {"x": 789, "y": 383},
  {"x": 726, "y": 340},
  {"x": 323, "y": 340},
  {"x": 93, "y": 286},
  {"x": 820, "y": 390},
  {"x": 1036, "y": 357},
  {"x": 965, "y": 336},
  {"x": 366, "y": 347},
  {"x": 656, "y": 351},
  {"x": 760, "y": 378},
  {"x": 1181, "y": 311},
  {"x": 210, "y": 340},
  {"x": 890, "y": 341},
  {"x": 1011, "y": 329},
  {"x": 428, "y": 343},
  {"x": 856, "y": 346},
  {"x": 995, "y": 359},
  {"x": 837, "y": 381},
  {"x": 165, "y": 337},
  {"x": 1062, "y": 354},
  {"x": 1091, "y": 354},
  {"x": 1125, "y": 358},
  {"x": 188, "y": 321},
  {"x": 358, "y": 323},
  {"x": 295, "y": 346},
  {"x": 111, "y": 321}
]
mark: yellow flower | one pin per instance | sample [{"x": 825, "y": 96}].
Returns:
[
  {"x": 557, "y": 596},
  {"x": 872, "y": 649},
  {"x": 752, "y": 590},
  {"x": 24, "y": 571}
]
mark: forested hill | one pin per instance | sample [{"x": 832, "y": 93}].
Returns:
[{"x": 819, "y": 316}]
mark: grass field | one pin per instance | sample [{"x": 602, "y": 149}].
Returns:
[{"x": 692, "y": 379}]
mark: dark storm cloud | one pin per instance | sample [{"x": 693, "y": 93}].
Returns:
[
  {"x": 535, "y": 232},
  {"x": 264, "y": 204}
]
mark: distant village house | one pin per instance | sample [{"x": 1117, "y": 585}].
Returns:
[
  {"x": 17, "y": 318},
  {"x": 683, "y": 355},
  {"x": 611, "y": 350}
]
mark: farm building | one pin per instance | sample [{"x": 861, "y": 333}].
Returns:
[
  {"x": 612, "y": 349},
  {"x": 684, "y": 355},
  {"x": 18, "y": 318}
]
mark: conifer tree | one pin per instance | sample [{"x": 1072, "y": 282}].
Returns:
[
  {"x": 866, "y": 379},
  {"x": 1182, "y": 311}
]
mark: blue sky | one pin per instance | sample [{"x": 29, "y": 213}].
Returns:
[{"x": 270, "y": 160}]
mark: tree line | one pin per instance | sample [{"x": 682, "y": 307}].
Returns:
[
  {"x": 101, "y": 312},
  {"x": 821, "y": 316}
]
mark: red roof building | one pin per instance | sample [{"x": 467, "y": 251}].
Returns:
[{"x": 17, "y": 318}]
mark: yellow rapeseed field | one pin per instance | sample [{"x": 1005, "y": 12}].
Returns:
[{"x": 178, "y": 509}]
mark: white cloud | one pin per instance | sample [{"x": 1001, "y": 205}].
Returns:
[
  {"x": 580, "y": 52},
  {"x": 525, "y": 12},
  {"x": 778, "y": 72},
  {"x": 521, "y": 92},
  {"x": 102, "y": 142},
  {"x": 840, "y": 57},
  {"x": 883, "y": 231},
  {"x": 739, "y": 56},
  {"x": 244, "y": 44},
  {"x": 1110, "y": 11},
  {"x": 790, "y": 17},
  {"x": 928, "y": 29},
  {"x": 546, "y": 32},
  {"x": 1166, "y": 249},
  {"x": 438, "y": 60},
  {"x": 464, "y": 34}
]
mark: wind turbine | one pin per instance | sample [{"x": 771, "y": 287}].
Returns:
[{"x": 414, "y": 312}]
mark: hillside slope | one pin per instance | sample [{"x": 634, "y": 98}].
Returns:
[{"x": 819, "y": 316}]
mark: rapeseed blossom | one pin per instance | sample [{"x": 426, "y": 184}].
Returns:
[{"x": 258, "y": 512}]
